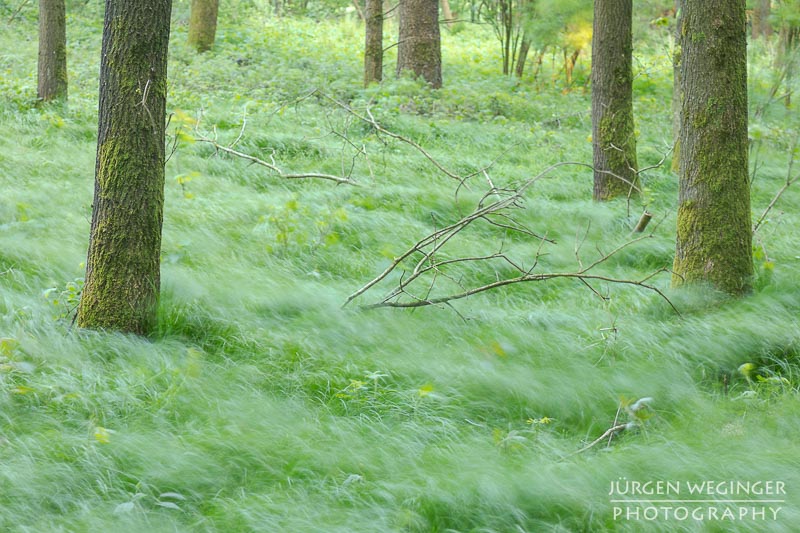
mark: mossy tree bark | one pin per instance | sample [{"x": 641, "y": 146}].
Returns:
[
  {"x": 203, "y": 24},
  {"x": 613, "y": 135},
  {"x": 52, "y": 83},
  {"x": 373, "y": 44},
  {"x": 714, "y": 237},
  {"x": 122, "y": 270},
  {"x": 420, "y": 48}
]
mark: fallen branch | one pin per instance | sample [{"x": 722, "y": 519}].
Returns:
[
  {"x": 423, "y": 256},
  {"x": 610, "y": 432},
  {"x": 274, "y": 168}
]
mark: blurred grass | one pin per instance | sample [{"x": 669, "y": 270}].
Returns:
[{"x": 261, "y": 405}]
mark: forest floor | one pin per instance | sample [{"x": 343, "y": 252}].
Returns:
[{"x": 263, "y": 404}]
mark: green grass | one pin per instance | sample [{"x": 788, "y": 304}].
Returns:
[{"x": 262, "y": 405}]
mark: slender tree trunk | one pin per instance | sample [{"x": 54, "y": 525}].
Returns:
[
  {"x": 203, "y": 24},
  {"x": 761, "y": 23},
  {"x": 122, "y": 270},
  {"x": 373, "y": 47},
  {"x": 789, "y": 56},
  {"x": 420, "y": 49},
  {"x": 522, "y": 56},
  {"x": 506, "y": 25},
  {"x": 52, "y": 50},
  {"x": 676, "y": 89},
  {"x": 447, "y": 14},
  {"x": 714, "y": 237},
  {"x": 613, "y": 135}
]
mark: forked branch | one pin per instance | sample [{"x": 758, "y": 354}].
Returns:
[{"x": 426, "y": 260}]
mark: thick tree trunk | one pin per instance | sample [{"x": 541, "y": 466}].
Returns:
[
  {"x": 420, "y": 49},
  {"x": 122, "y": 270},
  {"x": 714, "y": 237},
  {"x": 203, "y": 24},
  {"x": 613, "y": 135},
  {"x": 373, "y": 45},
  {"x": 52, "y": 50},
  {"x": 761, "y": 24}
]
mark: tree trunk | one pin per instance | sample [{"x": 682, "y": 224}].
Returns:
[
  {"x": 373, "y": 47},
  {"x": 788, "y": 52},
  {"x": 676, "y": 90},
  {"x": 52, "y": 50},
  {"x": 761, "y": 23},
  {"x": 522, "y": 56},
  {"x": 122, "y": 270},
  {"x": 447, "y": 14},
  {"x": 613, "y": 136},
  {"x": 714, "y": 237},
  {"x": 203, "y": 24},
  {"x": 420, "y": 48}
]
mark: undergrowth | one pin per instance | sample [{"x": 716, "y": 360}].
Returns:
[{"x": 262, "y": 405}]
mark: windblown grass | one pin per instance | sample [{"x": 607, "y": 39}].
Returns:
[{"x": 262, "y": 405}]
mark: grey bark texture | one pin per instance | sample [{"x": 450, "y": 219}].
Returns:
[
  {"x": 373, "y": 42},
  {"x": 52, "y": 66},
  {"x": 419, "y": 48}
]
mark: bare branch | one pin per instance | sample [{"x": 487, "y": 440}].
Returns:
[
  {"x": 426, "y": 261},
  {"x": 788, "y": 183},
  {"x": 271, "y": 166}
]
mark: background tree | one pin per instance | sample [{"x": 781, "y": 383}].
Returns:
[
  {"x": 203, "y": 24},
  {"x": 52, "y": 50},
  {"x": 122, "y": 270},
  {"x": 761, "y": 23},
  {"x": 565, "y": 25},
  {"x": 419, "y": 42},
  {"x": 676, "y": 89},
  {"x": 714, "y": 237},
  {"x": 787, "y": 13},
  {"x": 613, "y": 135},
  {"x": 373, "y": 45},
  {"x": 507, "y": 19}
]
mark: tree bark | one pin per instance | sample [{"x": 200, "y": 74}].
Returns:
[
  {"x": 447, "y": 14},
  {"x": 714, "y": 237},
  {"x": 419, "y": 40},
  {"x": 52, "y": 83},
  {"x": 203, "y": 24},
  {"x": 122, "y": 270},
  {"x": 373, "y": 44},
  {"x": 676, "y": 90},
  {"x": 787, "y": 57},
  {"x": 613, "y": 135},
  {"x": 522, "y": 55},
  {"x": 761, "y": 23}
]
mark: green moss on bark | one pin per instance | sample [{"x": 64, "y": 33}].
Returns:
[
  {"x": 714, "y": 238},
  {"x": 613, "y": 133},
  {"x": 122, "y": 276}
]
